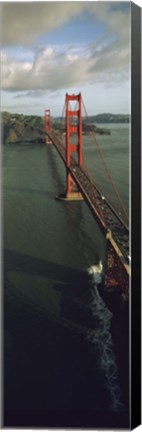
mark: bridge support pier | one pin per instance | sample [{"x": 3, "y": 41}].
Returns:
[
  {"x": 72, "y": 193},
  {"x": 74, "y": 196}
]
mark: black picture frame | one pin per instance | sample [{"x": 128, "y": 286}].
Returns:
[
  {"x": 85, "y": 419},
  {"x": 135, "y": 313}
]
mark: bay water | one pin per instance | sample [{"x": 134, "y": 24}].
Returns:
[{"x": 59, "y": 348}]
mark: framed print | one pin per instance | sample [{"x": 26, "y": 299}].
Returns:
[{"x": 71, "y": 214}]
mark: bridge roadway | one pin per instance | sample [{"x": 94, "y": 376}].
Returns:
[{"x": 111, "y": 224}]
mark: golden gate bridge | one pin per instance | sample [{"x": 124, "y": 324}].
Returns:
[{"x": 80, "y": 185}]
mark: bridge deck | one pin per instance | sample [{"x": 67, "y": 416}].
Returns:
[{"x": 98, "y": 205}]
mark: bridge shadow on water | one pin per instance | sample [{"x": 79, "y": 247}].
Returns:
[
  {"x": 53, "y": 360},
  {"x": 54, "y": 168}
]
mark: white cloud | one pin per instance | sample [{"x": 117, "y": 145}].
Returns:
[
  {"x": 48, "y": 71},
  {"x": 23, "y": 22},
  {"x": 55, "y": 67},
  {"x": 112, "y": 54}
]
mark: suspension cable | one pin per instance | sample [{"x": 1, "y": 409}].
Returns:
[
  {"x": 62, "y": 116},
  {"x": 94, "y": 189},
  {"x": 106, "y": 168}
]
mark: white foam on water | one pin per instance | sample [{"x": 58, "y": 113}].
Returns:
[
  {"x": 104, "y": 345},
  {"x": 95, "y": 271}
]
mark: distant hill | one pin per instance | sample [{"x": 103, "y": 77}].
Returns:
[
  {"x": 104, "y": 118},
  {"x": 87, "y": 128},
  {"x": 18, "y": 128},
  {"x": 109, "y": 118}
]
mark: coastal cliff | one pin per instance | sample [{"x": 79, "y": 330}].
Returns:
[{"x": 18, "y": 128}]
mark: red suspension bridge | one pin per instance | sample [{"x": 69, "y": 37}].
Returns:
[{"x": 80, "y": 185}]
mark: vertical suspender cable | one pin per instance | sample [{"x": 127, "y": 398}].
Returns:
[{"x": 107, "y": 170}]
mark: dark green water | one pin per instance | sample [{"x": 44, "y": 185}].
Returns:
[{"x": 59, "y": 350}]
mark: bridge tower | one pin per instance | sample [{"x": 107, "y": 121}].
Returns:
[
  {"x": 73, "y": 129},
  {"x": 47, "y": 125}
]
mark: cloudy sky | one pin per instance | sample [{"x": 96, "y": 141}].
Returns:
[{"x": 53, "y": 48}]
